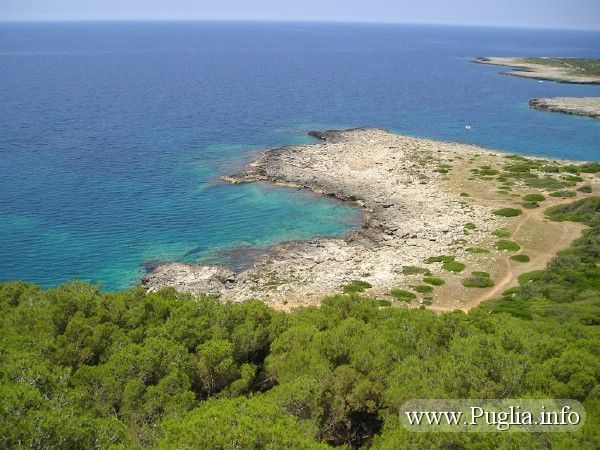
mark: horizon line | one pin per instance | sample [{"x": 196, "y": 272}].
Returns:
[{"x": 314, "y": 21}]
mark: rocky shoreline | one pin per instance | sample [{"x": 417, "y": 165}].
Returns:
[
  {"x": 579, "y": 106},
  {"x": 408, "y": 216},
  {"x": 538, "y": 71}
]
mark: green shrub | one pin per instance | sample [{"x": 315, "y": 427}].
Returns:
[
  {"x": 414, "y": 270},
  {"x": 501, "y": 233},
  {"x": 506, "y": 245},
  {"x": 549, "y": 169},
  {"x": 470, "y": 226},
  {"x": 453, "y": 266},
  {"x": 434, "y": 281},
  {"x": 507, "y": 212},
  {"x": 383, "y": 302},
  {"x": 422, "y": 288},
  {"x": 530, "y": 276},
  {"x": 530, "y": 205},
  {"x": 476, "y": 250},
  {"x": 575, "y": 178},
  {"x": 520, "y": 258},
  {"x": 534, "y": 198},
  {"x": 585, "y": 210},
  {"x": 563, "y": 194},
  {"x": 587, "y": 189},
  {"x": 441, "y": 258},
  {"x": 464, "y": 194},
  {"x": 478, "y": 280},
  {"x": 593, "y": 167},
  {"x": 402, "y": 295},
  {"x": 480, "y": 273},
  {"x": 516, "y": 308},
  {"x": 356, "y": 286}
]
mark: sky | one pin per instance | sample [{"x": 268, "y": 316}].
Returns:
[{"x": 570, "y": 14}]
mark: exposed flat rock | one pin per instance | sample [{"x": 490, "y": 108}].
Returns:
[{"x": 580, "y": 106}]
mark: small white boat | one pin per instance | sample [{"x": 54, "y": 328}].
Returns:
[{"x": 467, "y": 127}]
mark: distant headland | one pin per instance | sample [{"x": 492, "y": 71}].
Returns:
[{"x": 561, "y": 70}]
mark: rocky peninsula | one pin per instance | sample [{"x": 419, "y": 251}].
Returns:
[
  {"x": 421, "y": 199},
  {"x": 561, "y": 70},
  {"x": 579, "y": 106}
]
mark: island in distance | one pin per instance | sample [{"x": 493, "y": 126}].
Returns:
[{"x": 560, "y": 70}]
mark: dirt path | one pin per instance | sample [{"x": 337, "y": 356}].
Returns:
[{"x": 538, "y": 262}]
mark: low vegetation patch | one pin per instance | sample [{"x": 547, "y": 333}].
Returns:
[
  {"x": 507, "y": 212},
  {"x": 414, "y": 270},
  {"x": 470, "y": 226},
  {"x": 563, "y": 194},
  {"x": 476, "y": 250},
  {"x": 453, "y": 266},
  {"x": 530, "y": 276},
  {"x": 441, "y": 258},
  {"x": 422, "y": 288},
  {"x": 501, "y": 233},
  {"x": 587, "y": 189},
  {"x": 402, "y": 295},
  {"x": 434, "y": 281},
  {"x": 506, "y": 245},
  {"x": 520, "y": 258},
  {"x": 530, "y": 205},
  {"x": 534, "y": 198},
  {"x": 478, "y": 280},
  {"x": 356, "y": 286}
]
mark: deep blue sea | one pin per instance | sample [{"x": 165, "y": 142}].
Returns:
[{"x": 113, "y": 135}]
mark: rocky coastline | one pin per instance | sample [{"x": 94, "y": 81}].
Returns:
[
  {"x": 408, "y": 216},
  {"x": 579, "y": 106}
]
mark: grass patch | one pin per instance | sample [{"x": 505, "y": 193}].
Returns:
[
  {"x": 441, "y": 258},
  {"x": 470, "y": 226},
  {"x": 563, "y": 194},
  {"x": 477, "y": 250},
  {"x": 422, "y": 288},
  {"x": 530, "y": 276},
  {"x": 506, "y": 245},
  {"x": 478, "y": 280},
  {"x": 453, "y": 266},
  {"x": 507, "y": 212},
  {"x": 414, "y": 270},
  {"x": 534, "y": 198},
  {"x": 402, "y": 295},
  {"x": 587, "y": 189},
  {"x": 434, "y": 281},
  {"x": 530, "y": 205},
  {"x": 501, "y": 233},
  {"x": 520, "y": 258},
  {"x": 356, "y": 286}
]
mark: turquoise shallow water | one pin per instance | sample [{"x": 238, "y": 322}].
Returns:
[{"x": 112, "y": 135}]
